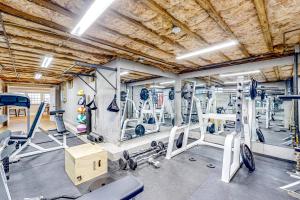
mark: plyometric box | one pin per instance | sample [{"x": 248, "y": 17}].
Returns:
[{"x": 85, "y": 162}]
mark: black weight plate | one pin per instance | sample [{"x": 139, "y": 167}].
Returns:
[
  {"x": 132, "y": 164},
  {"x": 161, "y": 146},
  {"x": 247, "y": 157},
  {"x": 173, "y": 122},
  {"x": 263, "y": 95},
  {"x": 144, "y": 95},
  {"x": 179, "y": 140},
  {"x": 260, "y": 135},
  {"x": 126, "y": 154},
  {"x": 153, "y": 144},
  {"x": 252, "y": 89},
  {"x": 122, "y": 164},
  {"x": 171, "y": 95},
  {"x": 211, "y": 128},
  {"x": 123, "y": 96},
  {"x": 151, "y": 120},
  {"x": 139, "y": 130}
]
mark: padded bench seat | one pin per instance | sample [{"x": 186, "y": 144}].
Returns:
[
  {"x": 123, "y": 189},
  {"x": 54, "y": 112}
]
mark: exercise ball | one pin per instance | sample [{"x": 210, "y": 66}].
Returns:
[
  {"x": 81, "y": 128},
  {"x": 81, "y": 110},
  {"x": 81, "y": 118}
]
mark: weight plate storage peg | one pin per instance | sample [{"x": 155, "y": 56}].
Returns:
[
  {"x": 139, "y": 130},
  {"x": 144, "y": 95},
  {"x": 247, "y": 157}
]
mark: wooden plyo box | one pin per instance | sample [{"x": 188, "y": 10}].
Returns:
[{"x": 85, "y": 162}]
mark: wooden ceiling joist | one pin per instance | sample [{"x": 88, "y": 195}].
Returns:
[
  {"x": 263, "y": 19},
  {"x": 153, "y": 5},
  {"x": 277, "y": 72},
  {"x": 208, "y": 7},
  {"x": 103, "y": 27},
  {"x": 105, "y": 44}
]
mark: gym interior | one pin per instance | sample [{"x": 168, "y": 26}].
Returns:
[{"x": 149, "y": 99}]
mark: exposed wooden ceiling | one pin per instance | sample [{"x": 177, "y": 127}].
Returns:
[
  {"x": 134, "y": 29},
  {"x": 277, "y": 73}
]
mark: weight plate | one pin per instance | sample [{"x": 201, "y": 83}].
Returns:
[
  {"x": 139, "y": 130},
  {"x": 187, "y": 91},
  {"x": 173, "y": 122},
  {"x": 151, "y": 120},
  {"x": 252, "y": 89},
  {"x": 210, "y": 165},
  {"x": 132, "y": 164},
  {"x": 126, "y": 154},
  {"x": 144, "y": 95},
  {"x": 211, "y": 128},
  {"x": 123, "y": 96},
  {"x": 263, "y": 95},
  {"x": 179, "y": 140},
  {"x": 247, "y": 157},
  {"x": 171, "y": 95},
  {"x": 153, "y": 144},
  {"x": 161, "y": 146},
  {"x": 122, "y": 164},
  {"x": 260, "y": 135}
]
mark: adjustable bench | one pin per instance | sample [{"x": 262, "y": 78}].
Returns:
[{"x": 123, "y": 189}]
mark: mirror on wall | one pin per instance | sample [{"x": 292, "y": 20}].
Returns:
[
  {"x": 271, "y": 117},
  {"x": 146, "y": 107}
]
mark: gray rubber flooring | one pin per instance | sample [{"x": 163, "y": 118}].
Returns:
[{"x": 177, "y": 179}]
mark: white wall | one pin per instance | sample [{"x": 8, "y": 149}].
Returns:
[
  {"x": 71, "y": 105},
  {"x": 25, "y": 89},
  {"x": 105, "y": 123}
]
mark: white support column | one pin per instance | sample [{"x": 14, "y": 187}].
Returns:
[
  {"x": 108, "y": 123},
  {"x": 178, "y": 117}
]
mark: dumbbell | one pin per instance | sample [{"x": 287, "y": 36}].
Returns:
[
  {"x": 127, "y": 156},
  {"x": 134, "y": 162}
]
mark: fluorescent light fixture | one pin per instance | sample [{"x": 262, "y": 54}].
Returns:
[
  {"x": 167, "y": 82},
  {"x": 124, "y": 73},
  {"x": 234, "y": 82},
  {"x": 208, "y": 49},
  {"x": 157, "y": 86},
  {"x": 96, "y": 9},
  {"x": 46, "y": 62},
  {"x": 240, "y": 73},
  {"x": 37, "y": 76}
]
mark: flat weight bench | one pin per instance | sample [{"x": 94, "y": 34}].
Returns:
[{"x": 123, "y": 189}]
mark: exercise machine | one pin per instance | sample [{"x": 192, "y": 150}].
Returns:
[
  {"x": 232, "y": 140},
  {"x": 24, "y": 140},
  {"x": 147, "y": 122},
  {"x": 59, "y": 121}
]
